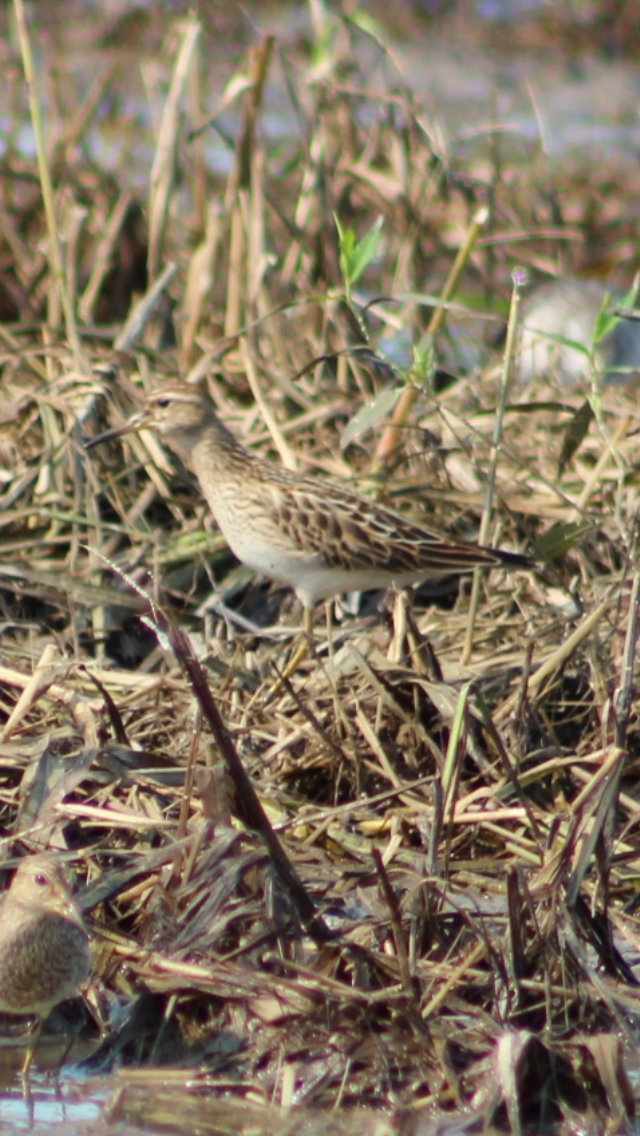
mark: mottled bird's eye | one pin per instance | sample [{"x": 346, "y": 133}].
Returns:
[{"x": 164, "y": 403}]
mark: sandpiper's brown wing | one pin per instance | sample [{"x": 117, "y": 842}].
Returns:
[{"x": 350, "y": 532}]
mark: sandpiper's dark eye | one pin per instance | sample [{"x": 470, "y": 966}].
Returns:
[
  {"x": 163, "y": 403},
  {"x": 41, "y": 879}
]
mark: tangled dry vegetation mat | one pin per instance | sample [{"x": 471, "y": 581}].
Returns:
[{"x": 458, "y": 926}]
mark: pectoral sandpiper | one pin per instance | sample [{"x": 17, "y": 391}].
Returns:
[
  {"x": 44, "y": 944},
  {"x": 318, "y": 537}
]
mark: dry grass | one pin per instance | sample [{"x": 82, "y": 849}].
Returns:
[{"x": 466, "y": 833}]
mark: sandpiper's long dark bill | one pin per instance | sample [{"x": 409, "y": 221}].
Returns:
[
  {"x": 318, "y": 537},
  {"x": 136, "y": 422}
]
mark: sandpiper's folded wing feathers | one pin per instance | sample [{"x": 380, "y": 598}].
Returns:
[{"x": 349, "y": 532}]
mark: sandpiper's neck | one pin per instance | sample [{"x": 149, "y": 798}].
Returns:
[{"x": 216, "y": 452}]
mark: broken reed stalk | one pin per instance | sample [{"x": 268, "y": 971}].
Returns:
[
  {"x": 163, "y": 171},
  {"x": 240, "y": 185},
  {"x": 55, "y": 254}
]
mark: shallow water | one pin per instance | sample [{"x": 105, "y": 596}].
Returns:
[
  {"x": 174, "y": 1104},
  {"x": 54, "y": 1104}
]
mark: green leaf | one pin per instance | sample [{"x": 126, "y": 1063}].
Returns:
[
  {"x": 575, "y": 433},
  {"x": 559, "y": 539},
  {"x": 323, "y": 46},
  {"x": 367, "y": 249},
  {"x": 630, "y": 297},
  {"x": 379, "y": 407},
  {"x": 574, "y": 344},
  {"x": 356, "y": 255},
  {"x": 424, "y": 360},
  {"x": 369, "y": 26},
  {"x": 426, "y": 300},
  {"x": 605, "y": 322}
]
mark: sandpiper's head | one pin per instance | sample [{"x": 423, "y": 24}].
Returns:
[
  {"x": 40, "y": 883},
  {"x": 175, "y": 410}
]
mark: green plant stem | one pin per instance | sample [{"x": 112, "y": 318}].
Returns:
[{"x": 485, "y": 522}]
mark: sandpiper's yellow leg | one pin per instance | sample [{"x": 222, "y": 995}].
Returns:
[
  {"x": 30, "y": 1054},
  {"x": 300, "y": 654}
]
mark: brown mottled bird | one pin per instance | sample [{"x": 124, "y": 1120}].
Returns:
[
  {"x": 44, "y": 944},
  {"x": 318, "y": 537}
]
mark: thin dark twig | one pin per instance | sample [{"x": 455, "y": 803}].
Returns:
[
  {"x": 396, "y": 921},
  {"x": 253, "y": 813}
]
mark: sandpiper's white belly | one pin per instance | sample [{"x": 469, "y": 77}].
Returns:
[
  {"x": 309, "y": 576},
  {"x": 304, "y": 574}
]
